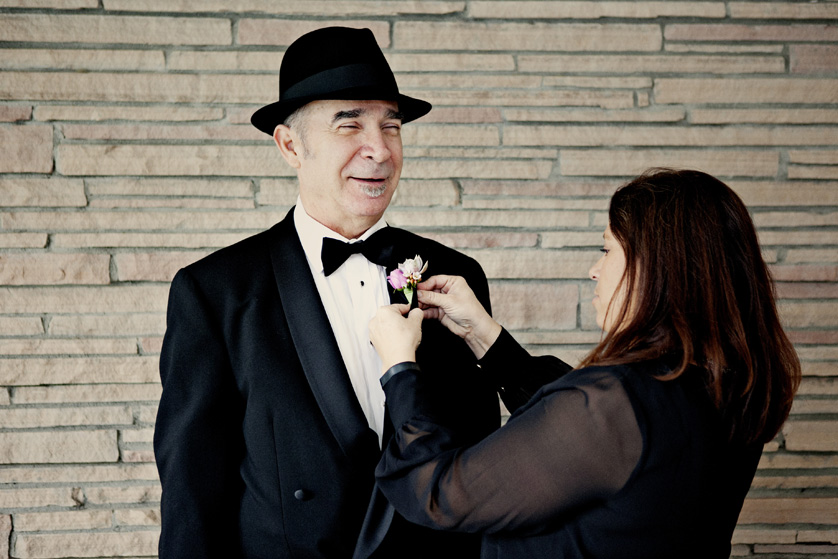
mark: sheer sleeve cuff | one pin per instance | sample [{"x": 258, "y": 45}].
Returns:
[{"x": 398, "y": 368}]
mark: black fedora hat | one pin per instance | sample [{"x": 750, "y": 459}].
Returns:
[{"x": 334, "y": 63}]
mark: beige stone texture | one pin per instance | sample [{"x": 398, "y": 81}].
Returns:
[
  {"x": 746, "y": 90},
  {"x": 478, "y": 169},
  {"x": 5, "y": 534},
  {"x": 147, "y": 240},
  {"x": 739, "y": 32},
  {"x": 526, "y": 36},
  {"x": 652, "y": 63},
  {"x": 452, "y": 135},
  {"x": 450, "y": 62},
  {"x": 114, "y": 87},
  {"x": 78, "y": 474},
  {"x": 54, "y": 417},
  {"x": 811, "y": 435},
  {"x": 790, "y": 193},
  {"x": 814, "y": 172},
  {"x": 484, "y": 240},
  {"x": 766, "y": 116},
  {"x": 51, "y": 192},
  {"x": 151, "y": 160},
  {"x": 813, "y": 59},
  {"x": 283, "y": 32},
  {"x": 21, "y": 326},
  {"x": 180, "y": 203},
  {"x": 514, "y": 306},
  {"x": 58, "y": 4},
  {"x": 460, "y": 81},
  {"x": 431, "y": 193},
  {"x": 153, "y": 266},
  {"x": 123, "y": 495},
  {"x": 28, "y": 148},
  {"x": 141, "y": 30},
  {"x": 15, "y": 113},
  {"x": 672, "y": 46},
  {"x": 830, "y": 536},
  {"x": 341, "y": 8},
  {"x": 96, "y": 544},
  {"x": 67, "y": 347},
  {"x": 105, "y": 113},
  {"x": 78, "y": 370},
  {"x": 746, "y": 535},
  {"x": 566, "y": 187},
  {"x": 77, "y": 394},
  {"x": 72, "y": 299},
  {"x": 794, "y": 219},
  {"x": 530, "y": 219},
  {"x": 17, "y": 498},
  {"x": 521, "y": 97},
  {"x": 58, "y": 447},
  {"x": 137, "y": 517},
  {"x": 173, "y": 188},
  {"x": 53, "y": 269},
  {"x": 631, "y": 162},
  {"x": 824, "y": 157},
  {"x": 785, "y": 10},
  {"x": 161, "y": 132},
  {"x": 108, "y": 325},
  {"x": 811, "y": 255},
  {"x": 594, "y": 10},
  {"x": 534, "y": 264},
  {"x": 535, "y": 204},
  {"x": 656, "y": 114},
  {"x": 814, "y": 510},
  {"x": 464, "y": 115},
  {"x": 146, "y": 220},
  {"x": 87, "y": 59},
  {"x": 566, "y": 239},
  {"x": 74, "y": 520}
]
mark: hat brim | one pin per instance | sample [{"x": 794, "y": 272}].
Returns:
[{"x": 268, "y": 117}]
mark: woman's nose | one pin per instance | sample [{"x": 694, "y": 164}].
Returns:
[{"x": 593, "y": 273}]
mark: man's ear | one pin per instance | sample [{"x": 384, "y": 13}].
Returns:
[{"x": 289, "y": 145}]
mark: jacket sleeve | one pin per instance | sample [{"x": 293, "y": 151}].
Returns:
[{"x": 197, "y": 438}]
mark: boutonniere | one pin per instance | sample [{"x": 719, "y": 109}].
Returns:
[{"x": 407, "y": 275}]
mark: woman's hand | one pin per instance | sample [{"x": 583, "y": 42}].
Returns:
[
  {"x": 450, "y": 300},
  {"x": 394, "y": 336}
]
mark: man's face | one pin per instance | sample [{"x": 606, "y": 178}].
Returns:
[{"x": 348, "y": 161}]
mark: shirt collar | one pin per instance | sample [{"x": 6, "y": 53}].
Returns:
[{"x": 312, "y": 232}]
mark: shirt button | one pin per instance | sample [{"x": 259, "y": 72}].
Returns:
[{"x": 302, "y": 495}]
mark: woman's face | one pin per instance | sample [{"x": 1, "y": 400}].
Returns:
[{"x": 607, "y": 273}]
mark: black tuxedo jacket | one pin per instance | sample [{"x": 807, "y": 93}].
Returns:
[{"x": 262, "y": 448}]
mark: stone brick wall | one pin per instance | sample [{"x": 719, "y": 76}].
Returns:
[{"x": 127, "y": 153}]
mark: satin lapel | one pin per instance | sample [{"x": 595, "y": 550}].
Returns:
[{"x": 315, "y": 343}]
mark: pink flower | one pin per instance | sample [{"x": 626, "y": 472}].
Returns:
[{"x": 397, "y": 280}]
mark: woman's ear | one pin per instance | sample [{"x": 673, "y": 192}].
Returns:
[{"x": 288, "y": 143}]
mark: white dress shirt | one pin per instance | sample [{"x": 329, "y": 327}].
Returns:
[{"x": 351, "y": 296}]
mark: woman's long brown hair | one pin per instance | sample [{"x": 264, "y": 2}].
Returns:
[{"x": 699, "y": 293}]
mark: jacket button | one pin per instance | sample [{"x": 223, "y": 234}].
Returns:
[{"x": 302, "y": 495}]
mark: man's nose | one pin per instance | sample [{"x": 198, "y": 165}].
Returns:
[{"x": 375, "y": 146}]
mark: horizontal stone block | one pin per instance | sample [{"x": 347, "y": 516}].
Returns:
[
  {"x": 415, "y": 154},
  {"x": 431, "y": 193},
  {"x": 653, "y": 63},
  {"x": 74, "y": 520},
  {"x": 138, "y": 456},
  {"x": 526, "y": 83},
  {"x": 464, "y": 115},
  {"x": 818, "y": 386},
  {"x": 104, "y": 113},
  {"x": 178, "y": 221},
  {"x": 58, "y": 4},
  {"x": 782, "y": 10},
  {"x": 789, "y": 511},
  {"x": 535, "y": 204},
  {"x": 593, "y": 10},
  {"x": 797, "y": 219},
  {"x": 790, "y": 238},
  {"x": 795, "y": 550},
  {"x": 171, "y": 160},
  {"x": 569, "y": 188},
  {"x": 811, "y": 255},
  {"x": 221, "y": 61},
  {"x": 134, "y": 324},
  {"x": 58, "y": 447},
  {"x": 790, "y": 193},
  {"x": 794, "y": 482},
  {"x": 51, "y": 269},
  {"x": 534, "y": 219},
  {"x": 823, "y": 157},
  {"x": 141, "y": 30},
  {"x": 340, "y": 8},
  {"x": 67, "y": 347},
  {"x": 818, "y": 436},
  {"x": 813, "y": 172},
  {"x": 798, "y": 115},
  {"x": 15, "y": 113},
  {"x": 87, "y": 59},
  {"x": 161, "y": 132},
  {"x": 137, "y": 437},
  {"x": 151, "y": 345},
  {"x": 631, "y": 162},
  {"x": 452, "y": 135},
  {"x": 27, "y": 149},
  {"x": 148, "y": 187},
  {"x": 817, "y": 536},
  {"x": 534, "y": 264},
  {"x": 516, "y": 306},
  {"x": 811, "y": 59},
  {"x": 72, "y": 299},
  {"x": 788, "y": 461},
  {"x": 147, "y": 240},
  {"x": 741, "y": 32},
  {"x": 95, "y": 544},
  {"x": 746, "y": 535},
  {"x": 805, "y": 407},
  {"x": 123, "y": 495},
  {"x": 98, "y": 393},
  {"x": 652, "y": 114},
  {"x": 283, "y": 32},
  {"x": 520, "y": 36},
  {"x": 450, "y": 62},
  {"x": 664, "y": 136},
  {"x": 746, "y": 90},
  {"x": 21, "y": 326},
  {"x": 478, "y": 169},
  {"x": 78, "y": 474},
  {"x": 78, "y": 370},
  {"x": 153, "y": 266},
  {"x": 36, "y": 497},
  {"x": 565, "y": 239},
  {"x": 113, "y": 87},
  {"x": 52, "y": 192},
  {"x": 524, "y": 98},
  {"x": 137, "y": 517},
  {"x": 62, "y": 417},
  {"x": 110, "y": 203},
  {"x": 484, "y": 240}
]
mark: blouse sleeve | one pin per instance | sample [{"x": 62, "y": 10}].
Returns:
[
  {"x": 578, "y": 440},
  {"x": 516, "y": 374}
]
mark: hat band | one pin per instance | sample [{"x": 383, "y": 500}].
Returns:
[{"x": 341, "y": 78}]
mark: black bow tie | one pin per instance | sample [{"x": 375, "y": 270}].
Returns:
[{"x": 378, "y": 249}]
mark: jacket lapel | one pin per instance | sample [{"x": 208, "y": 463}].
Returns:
[{"x": 315, "y": 343}]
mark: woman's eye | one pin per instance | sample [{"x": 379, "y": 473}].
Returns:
[{"x": 604, "y": 250}]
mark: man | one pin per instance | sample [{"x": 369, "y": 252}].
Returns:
[{"x": 272, "y": 416}]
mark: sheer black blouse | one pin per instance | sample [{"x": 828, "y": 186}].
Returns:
[{"x": 601, "y": 462}]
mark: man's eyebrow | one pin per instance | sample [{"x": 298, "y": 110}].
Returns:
[
  {"x": 355, "y": 113},
  {"x": 395, "y": 115}
]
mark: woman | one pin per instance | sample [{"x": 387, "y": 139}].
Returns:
[{"x": 648, "y": 449}]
